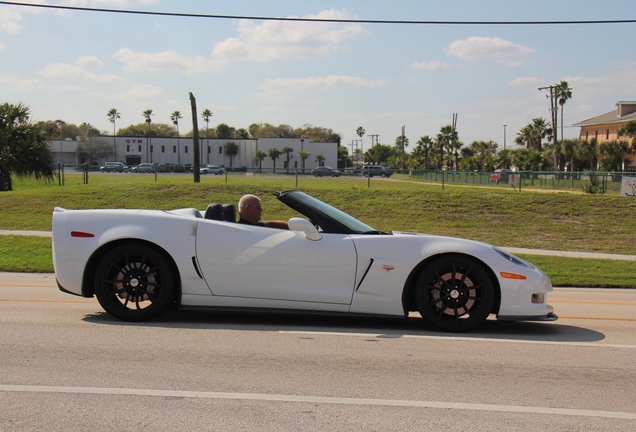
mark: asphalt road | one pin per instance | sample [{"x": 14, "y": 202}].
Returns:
[{"x": 68, "y": 366}]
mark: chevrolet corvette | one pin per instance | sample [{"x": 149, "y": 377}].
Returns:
[{"x": 141, "y": 263}]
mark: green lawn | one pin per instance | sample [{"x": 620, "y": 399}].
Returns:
[{"x": 555, "y": 220}]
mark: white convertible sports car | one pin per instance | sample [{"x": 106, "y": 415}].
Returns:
[{"x": 140, "y": 263}]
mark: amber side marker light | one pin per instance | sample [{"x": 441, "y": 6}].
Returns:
[
  {"x": 512, "y": 276},
  {"x": 81, "y": 234}
]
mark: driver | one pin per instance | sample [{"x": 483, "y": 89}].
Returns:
[{"x": 250, "y": 209}]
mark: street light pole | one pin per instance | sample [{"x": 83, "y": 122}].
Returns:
[
  {"x": 302, "y": 149},
  {"x": 504, "y": 137}
]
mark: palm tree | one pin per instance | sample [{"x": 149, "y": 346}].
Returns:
[
  {"x": 147, "y": 113},
  {"x": 629, "y": 130},
  {"x": 175, "y": 116},
  {"x": 531, "y": 135},
  {"x": 206, "y": 114},
  {"x": 445, "y": 139},
  {"x": 425, "y": 143},
  {"x": 287, "y": 151},
  {"x": 360, "y": 132},
  {"x": 24, "y": 151},
  {"x": 260, "y": 155},
  {"x": 113, "y": 115},
  {"x": 303, "y": 156},
  {"x": 231, "y": 149},
  {"x": 274, "y": 153},
  {"x": 563, "y": 92}
]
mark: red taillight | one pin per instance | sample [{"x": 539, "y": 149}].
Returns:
[{"x": 81, "y": 234}]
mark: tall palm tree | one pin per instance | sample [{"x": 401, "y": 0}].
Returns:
[
  {"x": 175, "y": 116},
  {"x": 360, "y": 132},
  {"x": 147, "y": 113},
  {"x": 113, "y": 115},
  {"x": 563, "y": 92},
  {"x": 260, "y": 155},
  {"x": 426, "y": 145},
  {"x": 206, "y": 114},
  {"x": 274, "y": 153},
  {"x": 287, "y": 151},
  {"x": 445, "y": 139},
  {"x": 231, "y": 149},
  {"x": 24, "y": 151}
]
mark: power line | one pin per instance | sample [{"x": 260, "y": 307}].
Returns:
[{"x": 324, "y": 20}]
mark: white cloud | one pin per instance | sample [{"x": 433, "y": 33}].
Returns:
[
  {"x": 166, "y": 62},
  {"x": 78, "y": 70},
  {"x": 282, "y": 88},
  {"x": 89, "y": 62},
  {"x": 23, "y": 84},
  {"x": 278, "y": 40},
  {"x": 10, "y": 20},
  {"x": 485, "y": 48},
  {"x": 2, "y": 47},
  {"x": 431, "y": 66}
]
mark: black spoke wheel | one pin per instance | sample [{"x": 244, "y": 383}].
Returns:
[
  {"x": 135, "y": 283},
  {"x": 454, "y": 293}
]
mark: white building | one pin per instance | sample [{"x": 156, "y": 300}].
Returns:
[{"x": 135, "y": 150}]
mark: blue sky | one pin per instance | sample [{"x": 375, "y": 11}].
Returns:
[{"x": 77, "y": 65}]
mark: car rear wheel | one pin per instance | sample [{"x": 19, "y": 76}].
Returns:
[
  {"x": 455, "y": 293},
  {"x": 383, "y": 175},
  {"x": 135, "y": 283}
]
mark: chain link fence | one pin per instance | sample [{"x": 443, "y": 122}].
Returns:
[{"x": 590, "y": 182}]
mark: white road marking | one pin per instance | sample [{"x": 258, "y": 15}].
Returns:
[
  {"x": 467, "y": 339},
  {"x": 319, "y": 400}
]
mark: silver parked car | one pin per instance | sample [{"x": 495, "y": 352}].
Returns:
[
  {"x": 211, "y": 169},
  {"x": 144, "y": 168}
]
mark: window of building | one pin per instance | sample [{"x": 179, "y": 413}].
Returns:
[
  {"x": 174, "y": 149},
  {"x": 209, "y": 149},
  {"x": 607, "y": 135},
  {"x": 186, "y": 149},
  {"x": 139, "y": 148},
  {"x": 151, "y": 148},
  {"x": 220, "y": 149},
  {"x": 596, "y": 134},
  {"x": 127, "y": 147},
  {"x": 163, "y": 149},
  {"x": 587, "y": 135}
]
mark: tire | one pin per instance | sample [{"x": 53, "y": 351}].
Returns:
[
  {"x": 455, "y": 293},
  {"x": 383, "y": 175},
  {"x": 135, "y": 282},
  {"x": 315, "y": 174},
  {"x": 333, "y": 174}
]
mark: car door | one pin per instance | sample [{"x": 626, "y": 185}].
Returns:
[{"x": 266, "y": 263}]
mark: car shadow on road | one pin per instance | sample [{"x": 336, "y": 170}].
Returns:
[{"x": 381, "y": 327}]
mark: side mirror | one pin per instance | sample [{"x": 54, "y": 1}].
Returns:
[{"x": 303, "y": 225}]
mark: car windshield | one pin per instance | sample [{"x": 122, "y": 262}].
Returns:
[{"x": 351, "y": 223}]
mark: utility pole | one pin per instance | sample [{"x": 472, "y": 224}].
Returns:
[
  {"x": 553, "y": 119},
  {"x": 377, "y": 139},
  {"x": 505, "y": 136}
]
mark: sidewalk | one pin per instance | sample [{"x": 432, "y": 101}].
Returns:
[{"x": 512, "y": 250}]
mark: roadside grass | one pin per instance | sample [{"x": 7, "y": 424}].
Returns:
[
  {"x": 25, "y": 254},
  {"x": 503, "y": 217}
]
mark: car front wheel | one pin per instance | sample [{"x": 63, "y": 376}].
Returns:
[
  {"x": 135, "y": 282},
  {"x": 455, "y": 293}
]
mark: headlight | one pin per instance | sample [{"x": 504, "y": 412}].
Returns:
[{"x": 513, "y": 259}]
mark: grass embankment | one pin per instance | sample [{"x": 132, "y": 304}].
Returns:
[{"x": 557, "y": 221}]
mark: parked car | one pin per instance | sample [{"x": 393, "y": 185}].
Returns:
[
  {"x": 162, "y": 167},
  {"x": 178, "y": 168},
  {"x": 142, "y": 263},
  {"x": 377, "y": 170},
  {"x": 212, "y": 169},
  {"x": 500, "y": 175},
  {"x": 353, "y": 170},
  {"x": 326, "y": 171},
  {"x": 113, "y": 167},
  {"x": 144, "y": 168}
]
